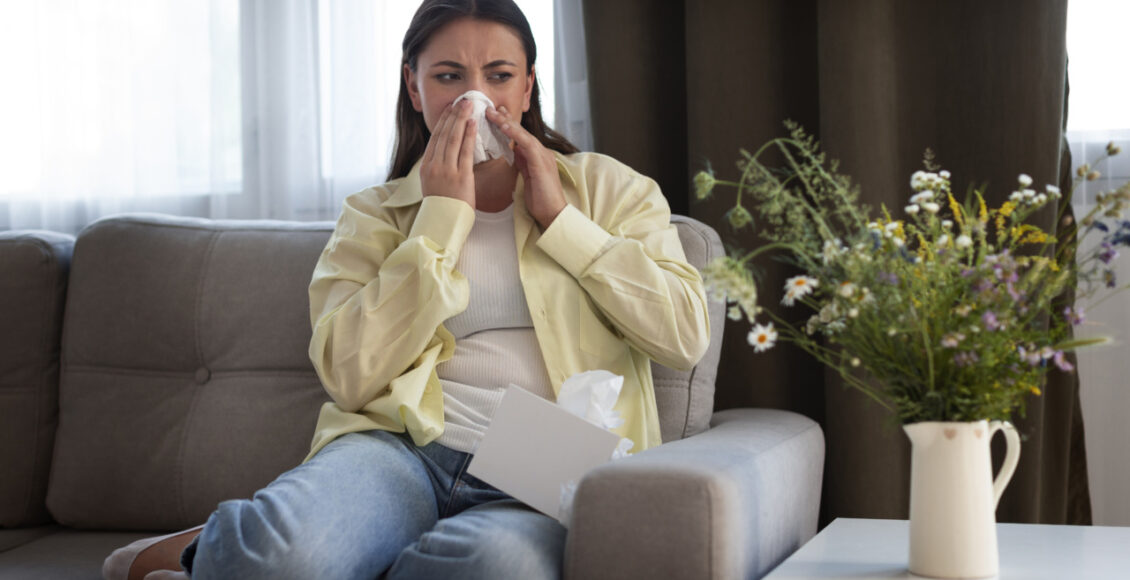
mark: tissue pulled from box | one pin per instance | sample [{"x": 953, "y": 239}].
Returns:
[
  {"x": 490, "y": 142},
  {"x": 592, "y": 396}
]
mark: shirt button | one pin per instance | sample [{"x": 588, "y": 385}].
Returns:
[{"x": 541, "y": 313}]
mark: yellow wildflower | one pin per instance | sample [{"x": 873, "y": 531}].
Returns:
[
  {"x": 983, "y": 212},
  {"x": 958, "y": 216}
]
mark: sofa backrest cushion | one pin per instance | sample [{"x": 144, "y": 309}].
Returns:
[
  {"x": 686, "y": 398},
  {"x": 33, "y": 283},
  {"x": 185, "y": 375},
  {"x": 185, "y": 378}
]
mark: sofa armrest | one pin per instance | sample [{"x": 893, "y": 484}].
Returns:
[{"x": 732, "y": 502}]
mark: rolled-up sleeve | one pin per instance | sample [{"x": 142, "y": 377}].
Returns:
[
  {"x": 378, "y": 297},
  {"x": 629, "y": 260}
]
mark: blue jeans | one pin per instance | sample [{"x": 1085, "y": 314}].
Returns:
[{"x": 373, "y": 503}]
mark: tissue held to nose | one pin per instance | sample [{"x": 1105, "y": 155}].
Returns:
[{"x": 490, "y": 141}]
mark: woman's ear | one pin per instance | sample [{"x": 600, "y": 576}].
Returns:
[
  {"x": 413, "y": 89},
  {"x": 530, "y": 80}
]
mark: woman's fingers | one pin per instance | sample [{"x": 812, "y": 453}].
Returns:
[
  {"x": 467, "y": 151},
  {"x": 431, "y": 149},
  {"x": 456, "y": 133},
  {"x": 538, "y": 165},
  {"x": 444, "y": 171}
]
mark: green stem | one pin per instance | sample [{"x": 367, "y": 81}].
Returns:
[{"x": 762, "y": 250}]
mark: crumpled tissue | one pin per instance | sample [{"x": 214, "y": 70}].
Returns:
[
  {"x": 591, "y": 395},
  {"x": 490, "y": 142}
]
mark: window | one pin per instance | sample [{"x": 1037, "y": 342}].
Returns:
[
  {"x": 1098, "y": 111},
  {"x": 131, "y": 97}
]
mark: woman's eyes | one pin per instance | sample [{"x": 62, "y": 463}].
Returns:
[{"x": 448, "y": 77}]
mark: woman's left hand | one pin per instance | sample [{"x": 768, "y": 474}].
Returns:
[{"x": 543, "y": 194}]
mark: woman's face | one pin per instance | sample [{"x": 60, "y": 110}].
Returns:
[{"x": 469, "y": 54}]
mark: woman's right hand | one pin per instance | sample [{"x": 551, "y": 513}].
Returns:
[{"x": 447, "y": 168}]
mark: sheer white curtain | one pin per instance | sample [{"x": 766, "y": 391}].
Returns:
[
  {"x": 1098, "y": 115},
  {"x": 108, "y": 104},
  {"x": 241, "y": 109}
]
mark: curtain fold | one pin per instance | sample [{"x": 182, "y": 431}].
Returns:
[{"x": 878, "y": 81}]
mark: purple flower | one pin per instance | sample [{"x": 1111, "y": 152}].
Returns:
[
  {"x": 1109, "y": 253},
  {"x": 1017, "y": 296},
  {"x": 1062, "y": 362},
  {"x": 1074, "y": 315},
  {"x": 889, "y": 278},
  {"x": 967, "y": 272},
  {"x": 990, "y": 320}
]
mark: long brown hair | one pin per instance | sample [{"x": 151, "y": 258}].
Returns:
[{"x": 411, "y": 133}]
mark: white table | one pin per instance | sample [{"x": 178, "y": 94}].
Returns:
[{"x": 858, "y": 548}]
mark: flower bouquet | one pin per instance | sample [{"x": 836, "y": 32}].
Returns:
[{"x": 956, "y": 309}]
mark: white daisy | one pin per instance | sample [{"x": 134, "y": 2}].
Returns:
[
  {"x": 798, "y": 287},
  {"x": 762, "y": 337}
]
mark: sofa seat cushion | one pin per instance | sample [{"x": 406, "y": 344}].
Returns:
[
  {"x": 185, "y": 375},
  {"x": 17, "y": 537},
  {"x": 63, "y": 555}
]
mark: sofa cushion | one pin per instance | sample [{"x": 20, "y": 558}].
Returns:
[
  {"x": 63, "y": 554},
  {"x": 686, "y": 398},
  {"x": 185, "y": 379},
  {"x": 33, "y": 283}
]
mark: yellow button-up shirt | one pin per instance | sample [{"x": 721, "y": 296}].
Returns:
[{"x": 607, "y": 284}]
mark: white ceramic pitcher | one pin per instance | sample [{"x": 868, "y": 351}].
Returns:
[{"x": 953, "y": 497}]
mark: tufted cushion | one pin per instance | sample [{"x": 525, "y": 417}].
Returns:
[
  {"x": 33, "y": 283},
  {"x": 185, "y": 379}
]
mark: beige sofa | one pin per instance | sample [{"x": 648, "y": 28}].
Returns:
[{"x": 157, "y": 365}]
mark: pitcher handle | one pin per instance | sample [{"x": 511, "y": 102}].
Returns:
[{"x": 1011, "y": 456}]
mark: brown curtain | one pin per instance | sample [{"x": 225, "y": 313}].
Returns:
[{"x": 676, "y": 84}]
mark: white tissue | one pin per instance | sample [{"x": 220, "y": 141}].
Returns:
[
  {"x": 591, "y": 395},
  {"x": 491, "y": 142}
]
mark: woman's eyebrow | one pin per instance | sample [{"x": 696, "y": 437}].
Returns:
[{"x": 491, "y": 64}]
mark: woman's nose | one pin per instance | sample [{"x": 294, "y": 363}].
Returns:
[{"x": 477, "y": 83}]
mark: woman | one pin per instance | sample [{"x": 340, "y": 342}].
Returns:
[{"x": 436, "y": 291}]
